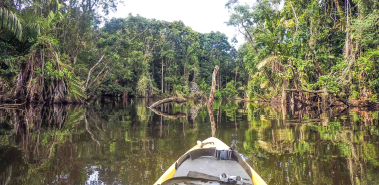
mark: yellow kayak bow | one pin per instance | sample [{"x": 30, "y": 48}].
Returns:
[{"x": 210, "y": 160}]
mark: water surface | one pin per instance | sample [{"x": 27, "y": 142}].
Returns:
[{"x": 124, "y": 142}]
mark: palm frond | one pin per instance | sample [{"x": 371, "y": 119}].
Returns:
[
  {"x": 75, "y": 116},
  {"x": 76, "y": 89},
  {"x": 10, "y": 21},
  {"x": 265, "y": 61}
]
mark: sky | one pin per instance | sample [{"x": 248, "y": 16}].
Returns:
[{"x": 202, "y": 16}]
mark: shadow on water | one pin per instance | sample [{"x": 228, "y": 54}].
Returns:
[{"x": 124, "y": 142}]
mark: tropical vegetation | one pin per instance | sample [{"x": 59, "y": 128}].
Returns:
[
  {"x": 68, "y": 51},
  {"x": 309, "y": 45}
]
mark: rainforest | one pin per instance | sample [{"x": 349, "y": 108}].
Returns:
[
  {"x": 87, "y": 98},
  {"x": 305, "y": 51}
]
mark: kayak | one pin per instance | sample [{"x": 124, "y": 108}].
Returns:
[{"x": 210, "y": 162}]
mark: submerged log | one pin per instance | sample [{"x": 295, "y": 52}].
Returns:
[{"x": 166, "y": 100}]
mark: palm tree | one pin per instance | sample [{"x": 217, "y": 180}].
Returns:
[{"x": 10, "y": 21}]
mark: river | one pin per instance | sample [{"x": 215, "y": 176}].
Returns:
[{"x": 124, "y": 142}]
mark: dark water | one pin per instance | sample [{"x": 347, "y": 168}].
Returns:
[{"x": 116, "y": 142}]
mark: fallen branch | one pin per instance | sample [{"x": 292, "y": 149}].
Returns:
[
  {"x": 166, "y": 100},
  {"x": 91, "y": 70},
  {"x": 98, "y": 75}
]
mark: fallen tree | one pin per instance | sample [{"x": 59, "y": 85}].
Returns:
[{"x": 175, "y": 99}]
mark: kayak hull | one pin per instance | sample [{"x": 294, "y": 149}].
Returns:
[{"x": 212, "y": 143}]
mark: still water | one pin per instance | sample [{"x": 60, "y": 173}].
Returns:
[{"x": 124, "y": 142}]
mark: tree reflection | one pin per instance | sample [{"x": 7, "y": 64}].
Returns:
[
  {"x": 126, "y": 143},
  {"x": 319, "y": 148}
]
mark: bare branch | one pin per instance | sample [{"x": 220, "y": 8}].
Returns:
[
  {"x": 91, "y": 70},
  {"x": 98, "y": 75},
  {"x": 249, "y": 37},
  {"x": 105, "y": 75},
  {"x": 297, "y": 20}
]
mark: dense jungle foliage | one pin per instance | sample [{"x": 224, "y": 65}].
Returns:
[
  {"x": 67, "y": 51},
  {"x": 59, "y": 51},
  {"x": 310, "y": 45}
]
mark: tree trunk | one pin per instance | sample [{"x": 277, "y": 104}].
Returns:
[
  {"x": 162, "y": 77},
  {"x": 185, "y": 68},
  {"x": 161, "y": 127},
  {"x": 210, "y": 101},
  {"x": 166, "y": 90},
  {"x": 297, "y": 20},
  {"x": 213, "y": 88},
  {"x": 249, "y": 37},
  {"x": 338, "y": 8}
]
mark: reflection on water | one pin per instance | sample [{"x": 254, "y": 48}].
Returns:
[{"x": 114, "y": 142}]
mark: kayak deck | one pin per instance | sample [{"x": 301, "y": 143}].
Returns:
[
  {"x": 210, "y": 166},
  {"x": 194, "y": 160}
]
